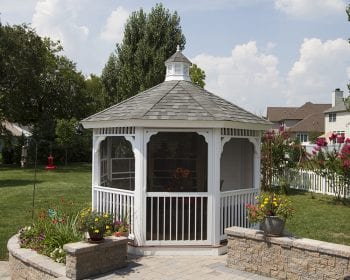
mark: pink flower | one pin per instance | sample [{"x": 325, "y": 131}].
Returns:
[{"x": 321, "y": 142}]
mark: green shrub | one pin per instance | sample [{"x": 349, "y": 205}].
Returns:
[{"x": 49, "y": 233}]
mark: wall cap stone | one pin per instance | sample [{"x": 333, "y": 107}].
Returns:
[
  {"x": 291, "y": 241},
  {"x": 32, "y": 258},
  {"x": 82, "y": 247}
]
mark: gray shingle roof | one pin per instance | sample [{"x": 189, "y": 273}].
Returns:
[
  {"x": 176, "y": 100},
  {"x": 178, "y": 57},
  {"x": 337, "y": 108}
]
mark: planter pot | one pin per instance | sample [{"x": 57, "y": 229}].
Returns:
[
  {"x": 272, "y": 226},
  {"x": 95, "y": 237}
]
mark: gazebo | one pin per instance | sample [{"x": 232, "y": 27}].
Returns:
[{"x": 178, "y": 162}]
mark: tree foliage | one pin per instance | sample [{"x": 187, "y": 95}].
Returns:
[
  {"x": 138, "y": 62},
  {"x": 197, "y": 75},
  {"x": 38, "y": 85}
]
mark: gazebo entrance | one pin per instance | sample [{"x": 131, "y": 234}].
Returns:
[{"x": 177, "y": 187}]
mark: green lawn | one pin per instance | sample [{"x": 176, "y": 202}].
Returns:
[
  {"x": 317, "y": 216},
  {"x": 320, "y": 217},
  {"x": 58, "y": 188}
]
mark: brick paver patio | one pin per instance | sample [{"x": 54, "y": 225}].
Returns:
[{"x": 170, "y": 268}]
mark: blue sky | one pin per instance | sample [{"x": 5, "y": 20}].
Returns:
[{"x": 255, "y": 53}]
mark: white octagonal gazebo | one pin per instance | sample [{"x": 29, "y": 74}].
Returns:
[{"x": 178, "y": 162}]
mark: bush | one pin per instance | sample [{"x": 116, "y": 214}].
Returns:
[{"x": 50, "y": 231}]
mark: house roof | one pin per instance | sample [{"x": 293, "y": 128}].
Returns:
[
  {"x": 176, "y": 100},
  {"x": 276, "y": 114},
  {"x": 15, "y": 129},
  {"x": 337, "y": 108},
  {"x": 313, "y": 122}
]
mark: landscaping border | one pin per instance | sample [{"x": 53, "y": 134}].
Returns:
[
  {"x": 286, "y": 257},
  {"x": 83, "y": 260}
]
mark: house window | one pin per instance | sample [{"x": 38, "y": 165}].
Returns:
[
  {"x": 302, "y": 137},
  {"x": 332, "y": 117},
  {"x": 177, "y": 162}
]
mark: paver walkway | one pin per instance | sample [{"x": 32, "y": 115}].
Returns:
[
  {"x": 170, "y": 268},
  {"x": 178, "y": 268}
]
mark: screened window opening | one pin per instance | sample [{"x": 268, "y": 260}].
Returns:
[
  {"x": 177, "y": 162},
  {"x": 117, "y": 164}
]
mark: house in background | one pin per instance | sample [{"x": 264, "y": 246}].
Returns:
[
  {"x": 14, "y": 131},
  {"x": 300, "y": 122},
  {"x": 337, "y": 118}
]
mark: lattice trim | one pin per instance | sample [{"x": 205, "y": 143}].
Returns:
[
  {"x": 115, "y": 130},
  {"x": 240, "y": 132}
]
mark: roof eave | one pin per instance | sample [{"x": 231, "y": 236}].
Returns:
[{"x": 176, "y": 124}]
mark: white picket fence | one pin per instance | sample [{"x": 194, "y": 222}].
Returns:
[{"x": 312, "y": 182}]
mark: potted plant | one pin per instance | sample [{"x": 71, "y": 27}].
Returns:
[
  {"x": 271, "y": 210},
  {"x": 96, "y": 224},
  {"x": 121, "y": 228}
]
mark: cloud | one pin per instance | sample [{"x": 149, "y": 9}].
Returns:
[
  {"x": 114, "y": 27},
  {"x": 310, "y": 8},
  {"x": 58, "y": 20},
  {"x": 251, "y": 79},
  {"x": 247, "y": 78},
  {"x": 320, "y": 68}
]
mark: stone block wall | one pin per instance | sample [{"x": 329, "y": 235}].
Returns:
[
  {"x": 286, "y": 257},
  {"x": 28, "y": 264},
  {"x": 85, "y": 259}
]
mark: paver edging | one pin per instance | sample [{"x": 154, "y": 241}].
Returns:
[
  {"x": 286, "y": 257},
  {"x": 28, "y": 264}
]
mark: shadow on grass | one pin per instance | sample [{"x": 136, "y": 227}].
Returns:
[{"x": 16, "y": 183}]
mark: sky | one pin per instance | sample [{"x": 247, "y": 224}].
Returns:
[{"x": 255, "y": 53}]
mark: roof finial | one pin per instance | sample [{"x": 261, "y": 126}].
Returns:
[{"x": 178, "y": 48}]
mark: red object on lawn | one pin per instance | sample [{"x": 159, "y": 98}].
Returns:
[{"x": 50, "y": 164}]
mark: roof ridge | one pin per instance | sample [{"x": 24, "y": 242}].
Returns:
[
  {"x": 163, "y": 96},
  {"x": 190, "y": 94},
  {"x": 122, "y": 102},
  {"x": 234, "y": 105}
]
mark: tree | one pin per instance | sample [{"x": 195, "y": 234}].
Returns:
[
  {"x": 96, "y": 95},
  {"x": 138, "y": 62},
  {"x": 66, "y": 132},
  {"x": 197, "y": 75}
]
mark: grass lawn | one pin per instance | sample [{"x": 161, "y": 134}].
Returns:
[
  {"x": 316, "y": 217},
  {"x": 55, "y": 188},
  {"x": 320, "y": 217}
]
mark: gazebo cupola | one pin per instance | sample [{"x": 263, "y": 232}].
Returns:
[
  {"x": 178, "y": 67},
  {"x": 178, "y": 162}
]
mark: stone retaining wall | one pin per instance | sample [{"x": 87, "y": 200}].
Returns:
[
  {"x": 83, "y": 260},
  {"x": 28, "y": 264},
  {"x": 286, "y": 257}
]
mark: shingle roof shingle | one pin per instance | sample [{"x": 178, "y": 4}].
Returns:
[{"x": 176, "y": 100}]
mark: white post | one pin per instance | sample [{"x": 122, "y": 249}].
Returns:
[
  {"x": 139, "y": 193},
  {"x": 214, "y": 154},
  {"x": 256, "y": 166},
  {"x": 109, "y": 162},
  {"x": 96, "y": 164}
]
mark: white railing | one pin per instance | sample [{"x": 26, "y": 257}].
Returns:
[
  {"x": 312, "y": 182},
  {"x": 232, "y": 208},
  {"x": 118, "y": 202},
  {"x": 179, "y": 218}
]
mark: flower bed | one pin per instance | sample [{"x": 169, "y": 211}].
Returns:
[{"x": 83, "y": 260}]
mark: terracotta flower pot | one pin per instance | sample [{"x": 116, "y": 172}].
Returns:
[{"x": 272, "y": 226}]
